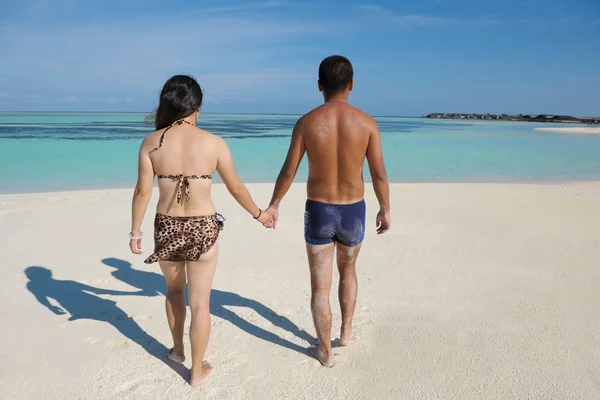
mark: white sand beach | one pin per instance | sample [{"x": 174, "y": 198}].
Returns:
[
  {"x": 479, "y": 291},
  {"x": 576, "y": 130}
]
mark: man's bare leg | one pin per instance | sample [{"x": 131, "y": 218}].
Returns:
[
  {"x": 320, "y": 260},
  {"x": 200, "y": 277},
  {"x": 348, "y": 289},
  {"x": 174, "y": 273}
]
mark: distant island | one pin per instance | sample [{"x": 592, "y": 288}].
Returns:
[{"x": 520, "y": 117}]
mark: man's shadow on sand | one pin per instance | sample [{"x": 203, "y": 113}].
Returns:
[
  {"x": 152, "y": 284},
  {"x": 77, "y": 300}
]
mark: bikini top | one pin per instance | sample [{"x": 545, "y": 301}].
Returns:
[{"x": 183, "y": 180}]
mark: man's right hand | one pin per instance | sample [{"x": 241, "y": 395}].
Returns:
[
  {"x": 383, "y": 221},
  {"x": 274, "y": 213}
]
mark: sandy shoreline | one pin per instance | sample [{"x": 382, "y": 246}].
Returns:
[
  {"x": 480, "y": 291},
  {"x": 572, "y": 130}
]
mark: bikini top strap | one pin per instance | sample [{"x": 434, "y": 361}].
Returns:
[{"x": 162, "y": 137}]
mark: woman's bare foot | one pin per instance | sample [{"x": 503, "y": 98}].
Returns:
[
  {"x": 205, "y": 371},
  {"x": 178, "y": 358},
  {"x": 345, "y": 341},
  {"x": 322, "y": 358}
]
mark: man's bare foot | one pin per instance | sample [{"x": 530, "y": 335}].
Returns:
[
  {"x": 178, "y": 358},
  {"x": 318, "y": 354},
  {"x": 345, "y": 341},
  {"x": 206, "y": 370}
]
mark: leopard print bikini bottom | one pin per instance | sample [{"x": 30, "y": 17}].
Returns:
[{"x": 184, "y": 238}]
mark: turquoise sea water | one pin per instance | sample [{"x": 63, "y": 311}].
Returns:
[{"x": 66, "y": 151}]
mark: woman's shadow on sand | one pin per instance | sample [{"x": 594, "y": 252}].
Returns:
[
  {"x": 153, "y": 284},
  {"x": 77, "y": 300}
]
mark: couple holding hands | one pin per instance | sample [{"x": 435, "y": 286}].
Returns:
[{"x": 336, "y": 138}]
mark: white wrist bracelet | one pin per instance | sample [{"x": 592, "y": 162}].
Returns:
[{"x": 136, "y": 237}]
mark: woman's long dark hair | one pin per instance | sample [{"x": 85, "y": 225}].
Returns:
[{"x": 180, "y": 96}]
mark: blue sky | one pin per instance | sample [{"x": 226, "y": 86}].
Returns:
[{"x": 410, "y": 57}]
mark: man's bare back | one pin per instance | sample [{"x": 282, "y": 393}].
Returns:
[{"x": 336, "y": 138}]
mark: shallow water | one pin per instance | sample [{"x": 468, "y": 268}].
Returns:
[{"x": 67, "y": 151}]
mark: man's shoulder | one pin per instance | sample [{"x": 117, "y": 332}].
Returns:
[
  {"x": 312, "y": 113},
  {"x": 305, "y": 120},
  {"x": 361, "y": 114},
  {"x": 317, "y": 112}
]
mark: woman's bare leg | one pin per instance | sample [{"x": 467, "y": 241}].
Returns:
[
  {"x": 174, "y": 273},
  {"x": 200, "y": 277}
]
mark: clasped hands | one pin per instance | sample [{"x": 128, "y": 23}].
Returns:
[{"x": 268, "y": 218}]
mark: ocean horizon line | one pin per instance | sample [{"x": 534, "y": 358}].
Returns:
[
  {"x": 424, "y": 116},
  {"x": 205, "y": 113}
]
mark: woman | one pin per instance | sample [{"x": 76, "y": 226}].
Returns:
[{"x": 186, "y": 225}]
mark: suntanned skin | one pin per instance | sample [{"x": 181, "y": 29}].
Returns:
[
  {"x": 187, "y": 150},
  {"x": 336, "y": 138}
]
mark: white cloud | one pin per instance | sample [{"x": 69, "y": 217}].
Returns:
[
  {"x": 114, "y": 100},
  {"x": 411, "y": 21},
  {"x": 370, "y": 7},
  {"x": 33, "y": 98},
  {"x": 588, "y": 79},
  {"x": 246, "y": 6},
  {"x": 137, "y": 56},
  {"x": 4, "y": 95},
  {"x": 568, "y": 20},
  {"x": 69, "y": 99},
  {"x": 208, "y": 99}
]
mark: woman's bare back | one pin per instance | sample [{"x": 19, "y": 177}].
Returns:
[{"x": 184, "y": 161}]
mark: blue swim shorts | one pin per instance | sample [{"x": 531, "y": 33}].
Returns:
[{"x": 327, "y": 223}]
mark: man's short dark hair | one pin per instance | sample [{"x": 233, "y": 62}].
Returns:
[{"x": 335, "y": 74}]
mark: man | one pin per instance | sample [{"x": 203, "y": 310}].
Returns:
[{"x": 336, "y": 138}]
